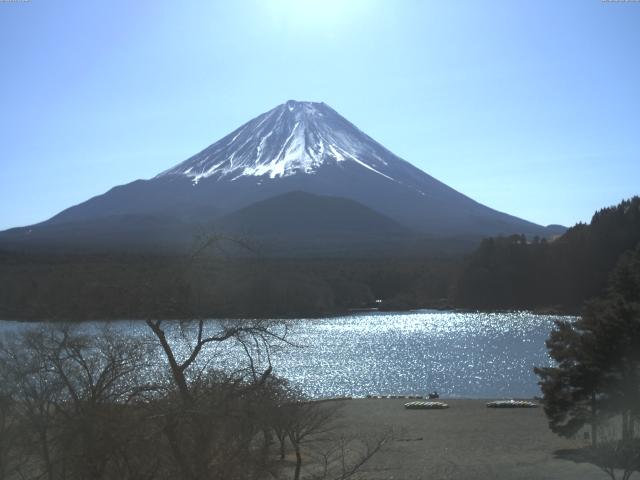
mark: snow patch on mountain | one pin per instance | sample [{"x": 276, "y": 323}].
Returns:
[{"x": 293, "y": 138}]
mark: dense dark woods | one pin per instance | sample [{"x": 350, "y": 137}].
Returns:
[
  {"x": 102, "y": 287},
  {"x": 502, "y": 273},
  {"x": 519, "y": 273}
]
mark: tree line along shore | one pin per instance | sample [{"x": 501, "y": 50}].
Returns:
[{"x": 503, "y": 273}]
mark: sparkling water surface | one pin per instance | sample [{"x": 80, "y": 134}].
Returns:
[{"x": 474, "y": 355}]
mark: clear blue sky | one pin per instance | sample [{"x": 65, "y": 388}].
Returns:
[{"x": 530, "y": 107}]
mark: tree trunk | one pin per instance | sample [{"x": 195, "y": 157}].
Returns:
[
  {"x": 44, "y": 444},
  {"x": 594, "y": 426},
  {"x": 176, "y": 371},
  {"x": 625, "y": 426},
  {"x": 296, "y": 475},
  {"x": 176, "y": 450},
  {"x": 268, "y": 438}
]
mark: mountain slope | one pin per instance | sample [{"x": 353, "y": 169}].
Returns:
[
  {"x": 125, "y": 232},
  {"x": 299, "y": 147},
  {"x": 300, "y": 213},
  {"x": 315, "y": 224}
]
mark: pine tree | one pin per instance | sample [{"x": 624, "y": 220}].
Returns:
[{"x": 597, "y": 372}]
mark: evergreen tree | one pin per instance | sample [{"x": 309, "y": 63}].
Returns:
[
  {"x": 572, "y": 389},
  {"x": 598, "y": 359}
]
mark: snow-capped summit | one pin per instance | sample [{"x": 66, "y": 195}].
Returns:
[{"x": 295, "y": 137}]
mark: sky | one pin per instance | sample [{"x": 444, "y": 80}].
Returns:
[{"x": 530, "y": 107}]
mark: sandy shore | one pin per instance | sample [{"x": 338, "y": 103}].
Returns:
[{"x": 466, "y": 441}]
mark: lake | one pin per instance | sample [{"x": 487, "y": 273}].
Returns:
[{"x": 463, "y": 355}]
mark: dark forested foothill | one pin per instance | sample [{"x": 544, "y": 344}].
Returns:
[
  {"x": 514, "y": 272},
  {"x": 76, "y": 287},
  {"x": 519, "y": 273}
]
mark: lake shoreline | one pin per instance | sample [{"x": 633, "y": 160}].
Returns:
[{"x": 557, "y": 311}]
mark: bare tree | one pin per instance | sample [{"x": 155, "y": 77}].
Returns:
[
  {"x": 261, "y": 333},
  {"x": 314, "y": 431},
  {"x": 345, "y": 456},
  {"x": 212, "y": 413},
  {"x": 36, "y": 394},
  {"x": 616, "y": 452},
  {"x": 306, "y": 421},
  {"x": 11, "y": 436},
  {"x": 72, "y": 398}
]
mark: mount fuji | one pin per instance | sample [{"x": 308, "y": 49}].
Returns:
[{"x": 300, "y": 176}]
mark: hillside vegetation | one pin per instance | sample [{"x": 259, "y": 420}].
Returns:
[{"x": 512, "y": 272}]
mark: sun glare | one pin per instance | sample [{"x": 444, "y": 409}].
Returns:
[{"x": 317, "y": 14}]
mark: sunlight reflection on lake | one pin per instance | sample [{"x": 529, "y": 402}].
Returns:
[{"x": 478, "y": 355}]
